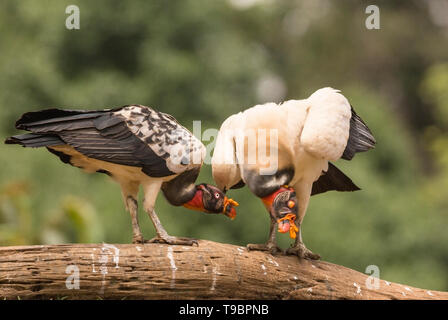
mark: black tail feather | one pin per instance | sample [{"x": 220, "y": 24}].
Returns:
[
  {"x": 360, "y": 138},
  {"x": 35, "y": 140},
  {"x": 333, "y": 179},
  {"x": 48, "y": 120}
]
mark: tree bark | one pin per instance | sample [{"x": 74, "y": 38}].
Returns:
[{"x": 157, "y": 271}]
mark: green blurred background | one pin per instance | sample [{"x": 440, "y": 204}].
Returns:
[{"x": 205, "y": 60}]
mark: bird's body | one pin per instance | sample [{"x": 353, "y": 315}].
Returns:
[
  {"x": 117, "y": 153},
  {"x": 136, "y": 146},
  {"x": 299, "y": 138},
  {"x": 286, "y": 118}
]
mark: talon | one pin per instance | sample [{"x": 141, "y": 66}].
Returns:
[
  {"x": 155, "y": 240},
  {"x": 302, "y": 252},
  {"x": 138, "y": 240},
  {"x": 270, "y": 247},
  {"x": 173, "y": 241}
]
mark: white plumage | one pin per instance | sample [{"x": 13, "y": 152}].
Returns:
[
  {"x": 311, "y": 132},
  {"x": 327, "y": 124}
]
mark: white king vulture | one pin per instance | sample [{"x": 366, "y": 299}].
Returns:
[
  {"x": 135, "y": 145},
  {"x": 299, "y": 138}
]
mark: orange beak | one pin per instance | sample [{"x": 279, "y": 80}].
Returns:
[
  {"x": 229, "y": 207},
  {"x": 286, "y": 224}
]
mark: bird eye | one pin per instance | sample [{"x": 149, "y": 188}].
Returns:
[{"x": 217, "y": 195}]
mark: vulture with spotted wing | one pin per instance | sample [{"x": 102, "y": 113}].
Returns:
[
  {"x": 282, "y": 153},
  {"x": 135, "y": 145}
]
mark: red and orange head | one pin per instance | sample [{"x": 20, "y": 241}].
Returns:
[
  {"x": 283, "y": 207},
  {"x": 211, "y": 199}
]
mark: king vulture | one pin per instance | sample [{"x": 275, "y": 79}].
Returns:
[
  {"x": 282, "y": 153},
  {"x": 135, "y": 145}
]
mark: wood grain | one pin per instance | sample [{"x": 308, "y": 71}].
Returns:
[{"x": 156, "y": 271}]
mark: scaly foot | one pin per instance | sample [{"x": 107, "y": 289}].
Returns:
[
  {"x": 173, "y": 240},
  {"x": 269, "y": 246},
  {"x": 138, "y": 239},
  {"x": 302, "y": 252}
]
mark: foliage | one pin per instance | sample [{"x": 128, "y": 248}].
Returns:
[{"x": 204, "y": 60}]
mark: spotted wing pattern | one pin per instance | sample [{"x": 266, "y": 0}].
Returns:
[
  {"x": 131, "y": 135},
  {"x": 165, "y": 136}
]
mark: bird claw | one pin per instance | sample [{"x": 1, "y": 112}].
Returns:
[
  {"x": 138, "y": 239},
  {"x": 270, "y": 247},
  {"x": 174, "y": 241},
  {"x": 302, "y": 252}
]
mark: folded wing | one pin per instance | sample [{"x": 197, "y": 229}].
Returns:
[
  {"x": 360, "y": 138},
  {"x": 132, "y": 135}
]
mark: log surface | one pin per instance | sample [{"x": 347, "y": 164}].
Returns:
[{"x": 157, "y": 271}]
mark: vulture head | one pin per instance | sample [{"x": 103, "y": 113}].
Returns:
[
  {"x": 210, "y": 199},
  {"x": 283, "y": 207}
]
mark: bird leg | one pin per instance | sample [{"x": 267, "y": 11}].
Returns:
[
  {"x": 303, "y": 193},
  {"x": 129, "y": 191},
  {"x": 163, "y": 236},
  {"x": 271, "y": 244},
  {"x": 151, "y": 191},
  {"x": 132, "y": 206},
  {"x": 299, "y": 249}
]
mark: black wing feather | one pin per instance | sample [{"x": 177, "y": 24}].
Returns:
[
  {"x": 35, "y": 140},
  {"x": 99, "y": 135},
  {"x": 333, "y": 179},
  {"x": 360, "y": 137},
  {"x": 46, "y": 117}
]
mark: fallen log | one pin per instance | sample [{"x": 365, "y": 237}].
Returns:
[{"x": 157, "y": 271}]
